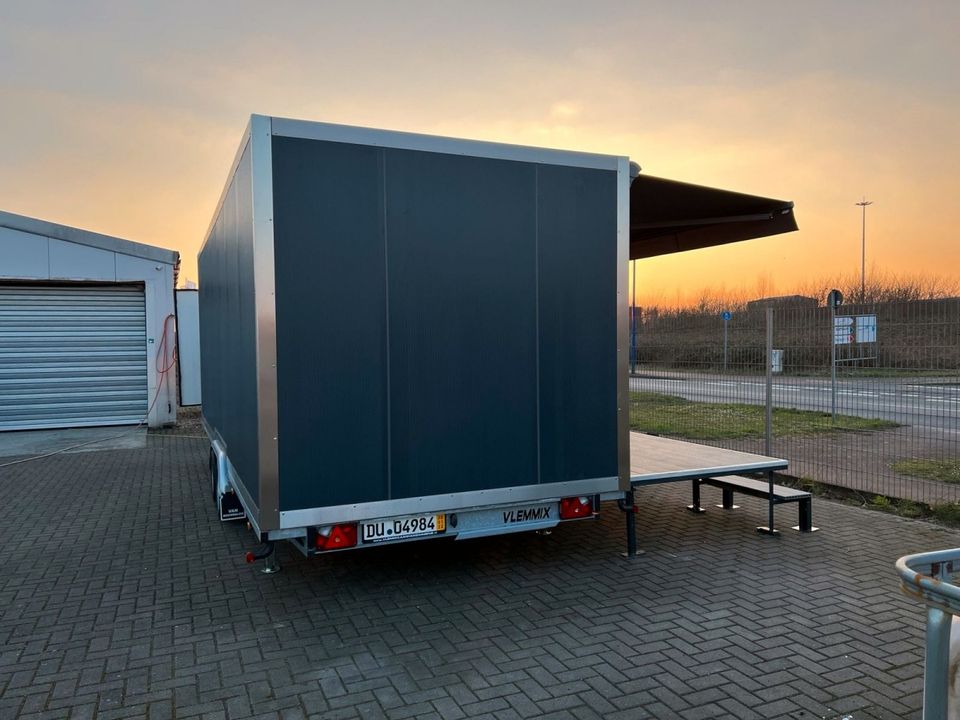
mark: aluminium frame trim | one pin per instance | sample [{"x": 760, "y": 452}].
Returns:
[
  {"x": 310, "y": 130},
  {"x": 483, "y": 532},
  {"x": 623, "y": 321},
  {"x": 448, "y": 502},
  {"x": 264, "y": 290}
]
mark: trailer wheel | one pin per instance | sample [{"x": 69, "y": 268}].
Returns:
[{"x": 213, "y": 475}]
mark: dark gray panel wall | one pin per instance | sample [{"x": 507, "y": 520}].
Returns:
[
  {"x": 444, "y": 323},
  {"x": 331, "y": 331},
  {"x": 577, "y": 218},
  {"x": 228, "y": 328},
  {"x": 461, "y": 247}
]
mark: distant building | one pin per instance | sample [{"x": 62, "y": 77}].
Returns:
[{"x": 86, "y": 328}]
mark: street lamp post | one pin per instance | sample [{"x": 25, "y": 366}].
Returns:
[{"x": 863, "y": 247}]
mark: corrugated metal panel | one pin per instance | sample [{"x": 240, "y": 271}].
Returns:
[{"x": 72, "y": 356}]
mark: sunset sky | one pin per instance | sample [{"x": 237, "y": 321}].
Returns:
[{"x": 124, "y": 117}]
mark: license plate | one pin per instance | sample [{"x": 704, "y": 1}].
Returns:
[{"x": 374, "y": 531}]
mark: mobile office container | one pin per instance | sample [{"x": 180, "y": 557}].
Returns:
[{"x": 407, "y": 336}]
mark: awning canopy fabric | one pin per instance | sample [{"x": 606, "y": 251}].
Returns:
[{"x": 667, "y": 216}]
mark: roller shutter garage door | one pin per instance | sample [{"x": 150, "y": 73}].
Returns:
[{"x": 72, "y": 356}]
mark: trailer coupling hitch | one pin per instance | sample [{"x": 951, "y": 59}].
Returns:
[{"x": 262, "y": 553}]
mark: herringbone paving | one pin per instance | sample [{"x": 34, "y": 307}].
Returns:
[{"x": 123, "y": 596}]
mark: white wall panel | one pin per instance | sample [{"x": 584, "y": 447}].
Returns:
[
  {"x": 70, "y": 261},
  {"x": 23, "y": 255},
  {"x": 188, "y": 346}
]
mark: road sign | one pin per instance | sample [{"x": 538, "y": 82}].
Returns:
[
  {"x": 843, "y": 330},
  {"x": 726, "y": 315},
  {"x": 866, "y": 328}
]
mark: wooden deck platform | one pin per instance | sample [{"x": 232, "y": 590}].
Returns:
[{"x": 658, "y": 460}]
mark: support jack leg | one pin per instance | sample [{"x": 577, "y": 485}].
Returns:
[
  {"x": 268, "y": 554},
  {"x": 271, "y": 565},
  {"x": 630, "y": 511}
]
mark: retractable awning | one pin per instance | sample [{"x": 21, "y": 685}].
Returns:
[{"x": 667, "y": 216}]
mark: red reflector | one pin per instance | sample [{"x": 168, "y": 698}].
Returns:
[
  {"x": 575, "y": 507},
  {"x": 340, "y": 536},
  {"x": 250, "y": 558}
]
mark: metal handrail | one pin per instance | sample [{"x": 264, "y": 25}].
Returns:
[{"x": 926, "y": 577}]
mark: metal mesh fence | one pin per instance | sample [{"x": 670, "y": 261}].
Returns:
[{"x": 865, "y": 397}]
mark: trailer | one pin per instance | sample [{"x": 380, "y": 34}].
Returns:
[{"x": 407, "y": 337}]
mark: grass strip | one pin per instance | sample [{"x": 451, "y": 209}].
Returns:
[
  {"x": 674, "y": 416},
  {"x": 941, "y": 470}
]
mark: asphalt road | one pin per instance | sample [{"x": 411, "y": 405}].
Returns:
[{"x": 930, "y": 402}]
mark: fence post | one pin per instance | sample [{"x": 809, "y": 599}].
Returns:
[
  {"x": 769, "y": 415},
  {"x": 769, "y": 529},
  {"x": 833, "y": 362},
  {"x": 726, "y": 322}
]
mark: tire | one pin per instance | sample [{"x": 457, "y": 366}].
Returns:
[{"x": 213, "y": 475}]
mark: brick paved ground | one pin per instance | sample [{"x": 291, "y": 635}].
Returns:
[{"x": 122, "y": 596}]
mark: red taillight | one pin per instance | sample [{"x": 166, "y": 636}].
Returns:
[
  {"x": 337, "y": 537},
  {"x": 575, "y": 507}
]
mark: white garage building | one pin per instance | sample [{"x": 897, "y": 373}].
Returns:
[{"x": 86, "y": 328}]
